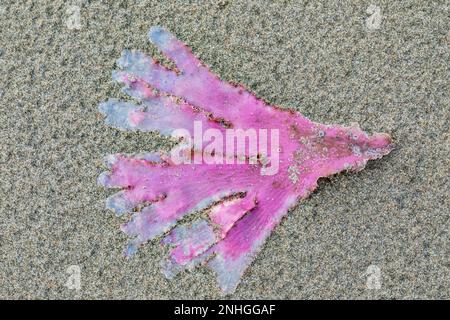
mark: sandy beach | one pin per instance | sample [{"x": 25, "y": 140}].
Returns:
[{"x": 334, "y": 61}]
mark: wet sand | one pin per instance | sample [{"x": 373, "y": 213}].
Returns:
[{"x": 320, "y": 58}]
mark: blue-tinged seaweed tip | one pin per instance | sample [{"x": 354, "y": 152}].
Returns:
[{"x": 159, "y": 36}]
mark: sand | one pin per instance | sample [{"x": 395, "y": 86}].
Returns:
[{"x": 318, "y": 57}]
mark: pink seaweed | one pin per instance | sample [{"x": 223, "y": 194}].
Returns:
[{"x": 245, "y": 200}]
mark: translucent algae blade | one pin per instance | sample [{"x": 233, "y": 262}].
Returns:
[{"x": 244, "y": 193}]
